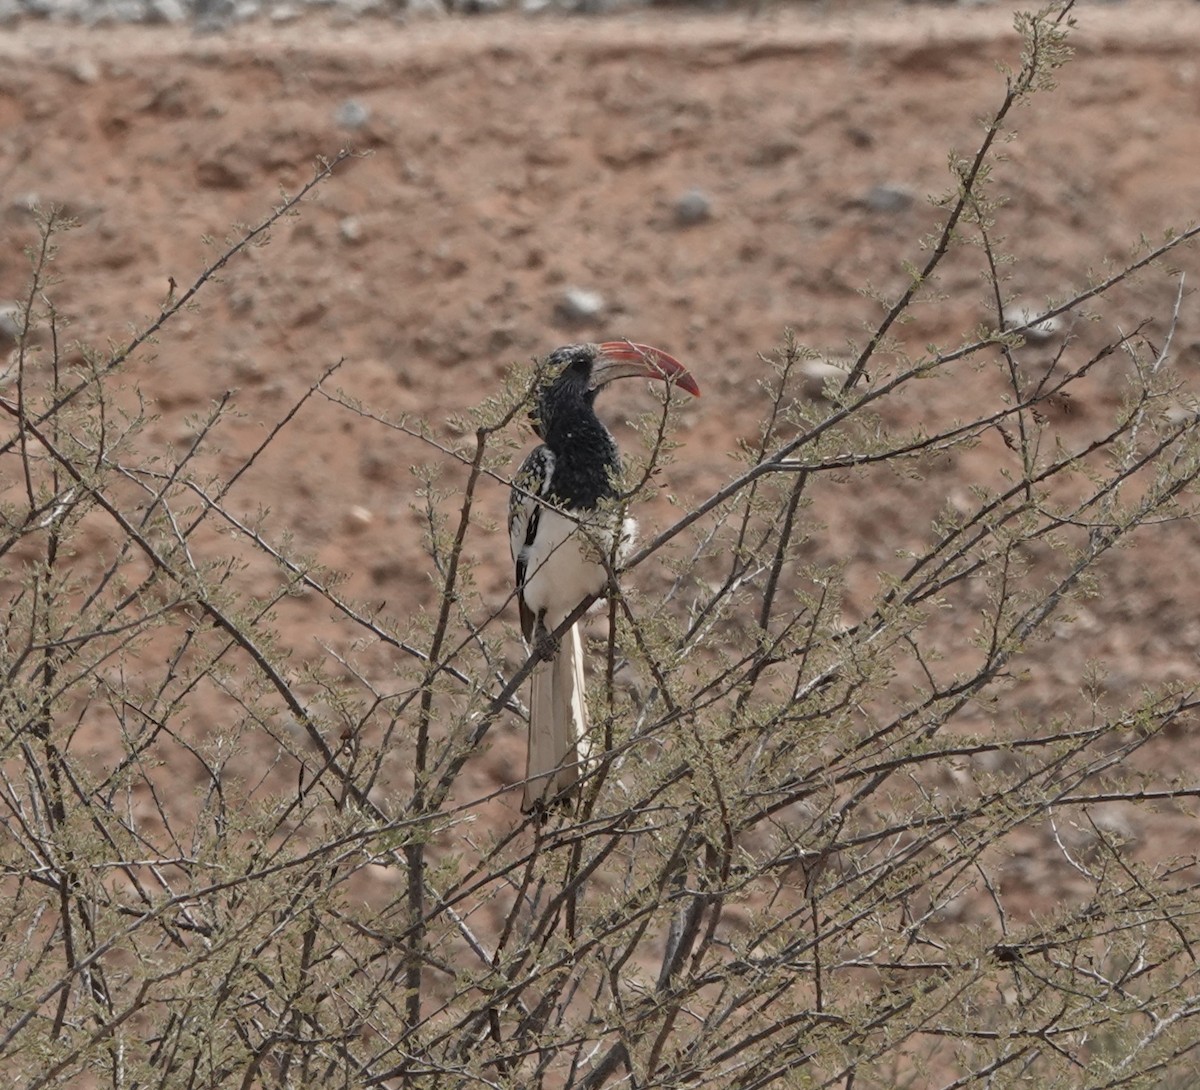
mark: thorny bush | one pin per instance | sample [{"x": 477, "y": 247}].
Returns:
[{"x": 788, "y": 862}]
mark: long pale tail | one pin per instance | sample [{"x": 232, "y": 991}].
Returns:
[{"x": 557, "y": 723}]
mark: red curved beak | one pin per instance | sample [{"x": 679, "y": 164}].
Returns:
[{"x": 625, "y": 359}]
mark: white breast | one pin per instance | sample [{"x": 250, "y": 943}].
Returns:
[{"x": 563, "y": 564}]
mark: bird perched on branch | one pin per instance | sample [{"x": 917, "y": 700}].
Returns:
[{"x": 563, "y": 544}]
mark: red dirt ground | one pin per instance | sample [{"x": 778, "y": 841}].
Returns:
[{"x": 511, "y": 159}]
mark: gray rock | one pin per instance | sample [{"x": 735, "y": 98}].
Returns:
[
  {"x": 352, "y": 114},
  {"x": 79, "y": 9},
  {"x": 425, "y": 8},
  {"x": 212, "y": 15},
  {"x": 578, "y": 305},
  {"x": 817, "y": 376},
  {"x": 1178, "y": 413},
  {"x": 125, "y": 11},
  {"x": 693, "y": 207},
  {"x": 1039, "y": 332},
  {"x": 888, "y": 198},
  {"x": 10, "y": 324},
  {"x": 85, "y": 70},
  {"x": 166, "y": 11}
]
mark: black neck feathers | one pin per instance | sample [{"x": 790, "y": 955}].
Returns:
[{"x": 585, "y": 454}]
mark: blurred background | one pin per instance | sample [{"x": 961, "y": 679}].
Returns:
[{"x": 700, "y": 177}]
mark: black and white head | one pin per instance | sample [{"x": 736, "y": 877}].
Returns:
[{"x": 575, "y": 373}]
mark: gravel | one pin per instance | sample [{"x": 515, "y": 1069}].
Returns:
[{"x": 207, "y": 16}]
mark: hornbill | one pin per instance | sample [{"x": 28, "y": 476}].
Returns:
[{"x": 562, "y": 551}]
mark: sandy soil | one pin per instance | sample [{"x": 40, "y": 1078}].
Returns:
[{"x": 510, "y": 160}]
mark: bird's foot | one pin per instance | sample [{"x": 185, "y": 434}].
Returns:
[{"x": 545, "y": 646}]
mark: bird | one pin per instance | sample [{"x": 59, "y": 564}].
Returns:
[{"x": 564, "y": 539}]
